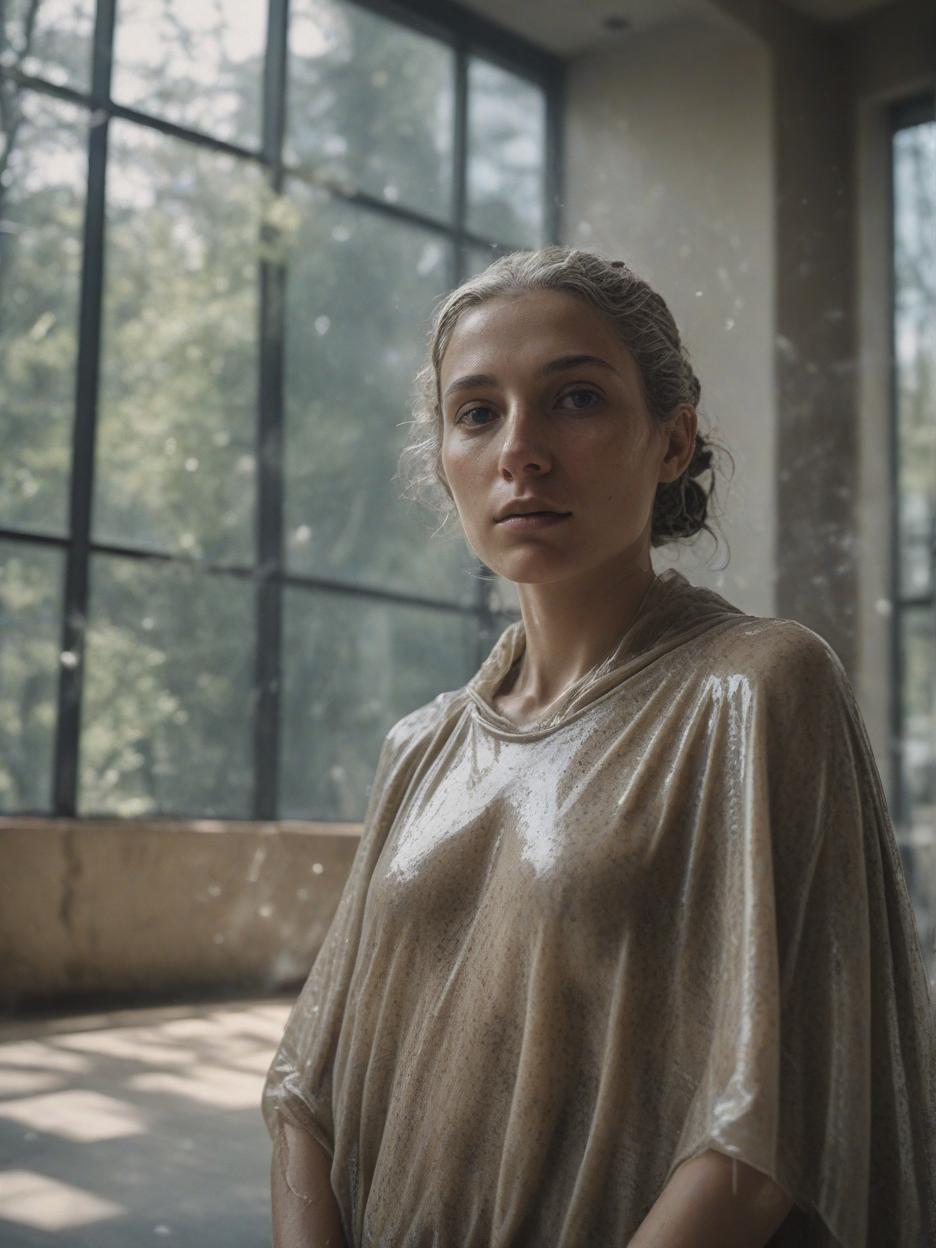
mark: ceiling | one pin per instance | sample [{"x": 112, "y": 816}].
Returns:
[{"x": 569, "y": 29}]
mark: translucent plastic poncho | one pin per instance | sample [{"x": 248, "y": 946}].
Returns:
[{"x": 570, "y": 956}]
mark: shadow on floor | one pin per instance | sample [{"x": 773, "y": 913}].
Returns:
[{"x": 138, "y": 1127}]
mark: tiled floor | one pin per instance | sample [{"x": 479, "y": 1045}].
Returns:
[{"x": 138, "y": 1127}]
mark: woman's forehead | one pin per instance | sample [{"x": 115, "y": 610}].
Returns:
[{"x": 539, "y": 322}]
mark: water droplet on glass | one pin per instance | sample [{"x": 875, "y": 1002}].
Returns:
[{"x": 42, "y": 326}]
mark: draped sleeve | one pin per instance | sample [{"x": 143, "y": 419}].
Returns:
[
  {"x": 819, "y": 1064},
  {"x": 299, "y": 1081}
]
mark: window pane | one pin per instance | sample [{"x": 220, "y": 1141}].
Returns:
[
  {"x": 166, "y": 718},
  {"x": 178, "y": 391},
  {"x": 916, "y": 548},
  {"x": 51, "y": 39},
  {"x": 360, "y": 293},
  {"x": 198, "y": 65},
  {"x": 30, "y": 624},
  {"x": 918, "y": 764},
  {"x": 506, "y": 140},
  {"x": 371, "y": 105},
  {"x": 918, "y": 641},
  {"x": 351, "y": 669},
  {"x": 41, "y": 221},
  {"x": 915, "y": 329}
]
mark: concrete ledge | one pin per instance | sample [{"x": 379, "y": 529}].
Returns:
[{"x": 95, "y": 911}]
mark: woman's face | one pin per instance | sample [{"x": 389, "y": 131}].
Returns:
[{"x": 519, "y": 419}]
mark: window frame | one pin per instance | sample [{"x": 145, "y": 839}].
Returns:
[{"x": 468, "y": 35}]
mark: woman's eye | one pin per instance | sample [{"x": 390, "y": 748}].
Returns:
[
  {"x": 591, "y": 394},
  {"x": 464, "y": 417}
]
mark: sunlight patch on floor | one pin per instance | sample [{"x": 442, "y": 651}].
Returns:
[
  {"x": 75, "y": 1114},
  {"x": 48, "y": 1205}
]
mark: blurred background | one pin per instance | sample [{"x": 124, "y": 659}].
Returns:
[{"x": 223, "y": 227}]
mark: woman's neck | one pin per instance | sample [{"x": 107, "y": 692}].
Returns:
[{"x": 570, "y": 632}]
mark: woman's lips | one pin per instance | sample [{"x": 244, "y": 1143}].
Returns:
[{"x": 535, "y": 520}]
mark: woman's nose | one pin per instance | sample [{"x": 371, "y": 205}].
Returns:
[{"x": 524, "y": 438}]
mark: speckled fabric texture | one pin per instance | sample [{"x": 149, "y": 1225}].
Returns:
[{"x": 572, "y": 955}]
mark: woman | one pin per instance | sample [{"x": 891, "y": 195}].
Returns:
[{"x": 625, "y": 956}]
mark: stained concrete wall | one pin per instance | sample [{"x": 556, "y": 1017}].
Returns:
[
  {"x": 97, "y": 911},
  {"x": 832, "y": 87},
  {"x": 669, "y": 166},
  {"x": 741, "y": 165}
]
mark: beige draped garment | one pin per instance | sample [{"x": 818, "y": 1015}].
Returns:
[{"x": 570, "y": 956}]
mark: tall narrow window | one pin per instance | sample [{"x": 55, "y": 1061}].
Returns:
[{"x": 914, "y": 303}]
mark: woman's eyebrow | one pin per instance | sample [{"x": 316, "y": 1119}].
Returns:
[{"x": 558, "y": 365}]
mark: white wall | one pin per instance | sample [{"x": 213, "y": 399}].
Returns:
[{"x": 669, "y": 158}]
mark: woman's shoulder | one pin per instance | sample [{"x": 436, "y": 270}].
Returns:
[
  {"x": 423, "y": 721},
  {"x": 769, "y": 649}
]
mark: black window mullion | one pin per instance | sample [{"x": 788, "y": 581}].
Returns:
[
  {"x": 553, "y": 189},
  {"x": 71, "y": 673},
  {"x": 460, "y": 158},
  {"x": 269, "y": 520}
]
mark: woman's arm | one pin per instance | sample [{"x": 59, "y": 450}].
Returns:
[
  {"x": 700, "y": 1207},
  {"x": 305, "y": 1212}
]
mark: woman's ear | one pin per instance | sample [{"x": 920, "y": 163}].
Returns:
[{"x": 679, "y": 442}]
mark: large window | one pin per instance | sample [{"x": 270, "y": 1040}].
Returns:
[
  {"x": 223, "y": 225},
  {"x": 914, "y": 634}
]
